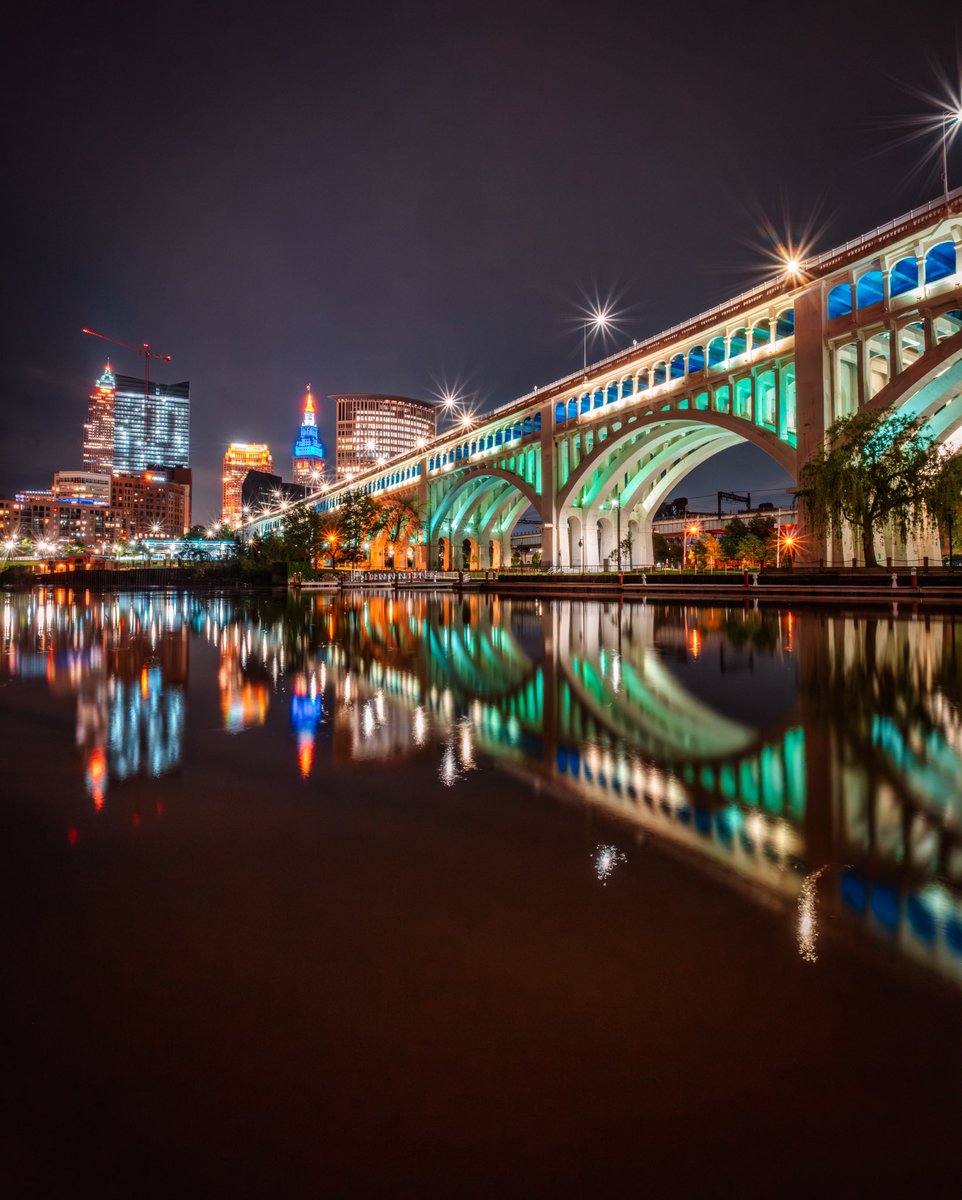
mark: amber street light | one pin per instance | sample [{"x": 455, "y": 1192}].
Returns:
[{"x": 692, "y": 531}]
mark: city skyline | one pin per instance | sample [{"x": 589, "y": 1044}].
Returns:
[{"x": 511, "y": 208}]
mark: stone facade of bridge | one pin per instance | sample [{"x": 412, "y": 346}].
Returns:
[{"x": 876, "y": 323}]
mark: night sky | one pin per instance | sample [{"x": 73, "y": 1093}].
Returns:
[{"x": 387, "y": 198}]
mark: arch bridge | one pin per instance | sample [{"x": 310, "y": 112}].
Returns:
[{"x": 875, "y": 323}]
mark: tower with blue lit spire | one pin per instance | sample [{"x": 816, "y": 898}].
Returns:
[{"x": 308, "y": 462}]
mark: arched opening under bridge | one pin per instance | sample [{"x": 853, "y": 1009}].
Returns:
[{"x": 613, "y": 493}]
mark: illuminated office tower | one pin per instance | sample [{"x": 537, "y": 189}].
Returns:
[
  {"x": 151, "y": 430},
  {"x": 99, "y": 426},
  {"x": 308, "y": 461},
  {"x": 372, "y": 427},
  {"x": 240, "y": 458}
]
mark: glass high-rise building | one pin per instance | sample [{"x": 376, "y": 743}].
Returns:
[
  {"x": 371, "y": 427},
  {"x": 128, "y": 431},
  {"x": 150, "y": 430}
]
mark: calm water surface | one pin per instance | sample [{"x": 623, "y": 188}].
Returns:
[{"x": 409, "y": 896}]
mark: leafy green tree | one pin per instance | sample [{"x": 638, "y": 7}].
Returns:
[
  {"x": 876, "y": 468},
  {"x": 355, "y": 518},
  {"x": 398, "y": 518},
  {"x": 944, "y": 498},
  {"x": 302, "y": 534},
  {"x": 665, "y": 551},
  {"x": 730, "y": 541},
  {"x": 712, "y": 551},
  {"x": 751, "y": 549},
  {"x": 260, "y": 551}
]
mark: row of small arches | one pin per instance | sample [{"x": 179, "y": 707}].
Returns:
[
  {"x": 392, "y": 479},
  {"x": 501, "y": 437},
  {"x": 717, "y": 353},
  {"x": 903, "y": 276}
]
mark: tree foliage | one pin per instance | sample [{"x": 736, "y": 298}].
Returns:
[
  {"x": 875, "y": 469},
  {"x": 301, "y": 536},
  {"x": 355, "y": 519},
  {"x": 396, "y": 517},
  {"x": 944, "y": 497},
  {"x": 665, "y": 551}
]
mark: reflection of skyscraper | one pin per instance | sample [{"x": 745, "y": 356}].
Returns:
[
  {"x": 307, "y": 708},
  {"x": 128, "y": 666},
  {"x": 308, "y": 461},
  {"x": 243, "y": 703}
]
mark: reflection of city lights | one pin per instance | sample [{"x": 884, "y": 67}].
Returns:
[
  {"x": 448, "y": 772},
  {"x": 606, "y": 859},
  {"x": 755, "y": 827},
  {"x": 467, "y": 746},
  {"x": 97, "y": 776},
  {"x": 420, "y": 726},
  {"x": 367, "y": 720},
  {"x": 808, "y": 917}
]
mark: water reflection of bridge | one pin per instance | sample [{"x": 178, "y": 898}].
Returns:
[
  {"x": 860, "y": 768},
  {"x": 862, "y": 771}
]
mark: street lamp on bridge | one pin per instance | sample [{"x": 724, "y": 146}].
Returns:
[
  {"x": 951, "y": 118},
  {"x": 598, "y": 320}
]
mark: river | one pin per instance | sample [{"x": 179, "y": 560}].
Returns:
[{"x": 389, "y": 895}]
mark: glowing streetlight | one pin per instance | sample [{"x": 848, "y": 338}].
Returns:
[
  {"x": 690, "y": 531},
  {"x": 598, "y": 320},
  {"x": 786, "y": 542},
  {"x": 951, "y": 118}
]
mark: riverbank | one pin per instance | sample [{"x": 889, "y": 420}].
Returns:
[{"x": 796, "y": 586}]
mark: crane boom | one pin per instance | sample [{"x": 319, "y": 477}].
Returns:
[{"x": 143, "y": 349}]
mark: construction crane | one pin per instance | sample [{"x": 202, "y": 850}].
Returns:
[{"x": 143, "y": 348}]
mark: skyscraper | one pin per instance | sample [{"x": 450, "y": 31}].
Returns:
[
  {"x": 309, "y": 455},
  {"x": 240, "y": 458},
  {"x": 99, "y": 426},
  {"x": 127, "y": 431},
  {"x": 152, "y": 430},
  {"x": 371, "y": 426}
]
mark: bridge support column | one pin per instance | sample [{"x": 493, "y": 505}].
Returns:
[
  {"x": 590, "y": 559},
  {"x": 573, "y": 532},
  {"x": 550, "y": 527},
  {"x": 812, "y": 381}
]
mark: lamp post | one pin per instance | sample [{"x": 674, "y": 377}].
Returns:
[
  {"x": 597, "y": 320},
  {"x": 617, "y": 503},
  {"x": 955, "y": 116},
  {"x": 693, "y": 531}
]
